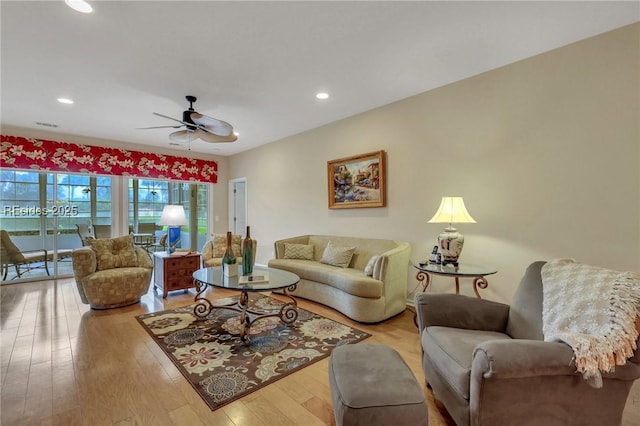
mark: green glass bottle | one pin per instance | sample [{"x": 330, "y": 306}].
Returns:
[
  {"x": 247, "y": 254},
  {"x": 228, "y": 258}
]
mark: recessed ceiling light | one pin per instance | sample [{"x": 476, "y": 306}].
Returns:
[
  {"x": 322, "y": 95},
  {"x": 65, "y": 101},
  {"x": 79, "y": 5}
]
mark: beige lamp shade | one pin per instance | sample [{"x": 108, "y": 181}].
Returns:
[
  {"x": 452, "y": 210},
  {"x": 173, "y": 215}
]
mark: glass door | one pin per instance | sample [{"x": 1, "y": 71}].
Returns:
[
  {"x": 67, "y": 202},
  {"x": 21, "y": 225},
  {"x": 40, "y": 213}
]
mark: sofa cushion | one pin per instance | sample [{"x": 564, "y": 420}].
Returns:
[
  {"x": 349, "y": 280},
  {"x": 114, "y": 253},
  {"x": 337, "y": 255},
  {"x": 298, "y": 251},
  {"x": 368, "y": 270},
  {"x": 451, "y": 353}
]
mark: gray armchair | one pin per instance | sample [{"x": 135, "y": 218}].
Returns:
[{"x": 488, "y": 364}]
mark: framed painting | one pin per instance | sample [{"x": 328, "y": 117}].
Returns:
[{"x": 358, "y": 181}]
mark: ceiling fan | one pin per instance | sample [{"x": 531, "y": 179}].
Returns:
[{"x": 198, "y": 126}]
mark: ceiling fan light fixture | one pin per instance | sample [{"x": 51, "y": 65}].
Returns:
[
  {"x": 322, "y": 96},
  {"x": 181, "y": 136},
  {"x": 79, "y": 6}
]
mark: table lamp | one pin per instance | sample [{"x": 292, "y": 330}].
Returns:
[
  {"x": 451, "y": 210},
  {"x": 173, "y": 216}
]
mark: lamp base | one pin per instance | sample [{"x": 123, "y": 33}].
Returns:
[
  {"x": 173, "y": 238},
  {"x": 451, "y": 243}
]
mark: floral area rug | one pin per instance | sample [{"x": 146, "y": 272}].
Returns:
[{"x": 222, "y": 368}]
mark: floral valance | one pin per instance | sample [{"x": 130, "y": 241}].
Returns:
[{"x": 39, "y": 154}]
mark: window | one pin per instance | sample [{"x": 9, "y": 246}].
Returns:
[
  {"x": 71, "y": 204},
  {"x": 40, "y": 209},
  {"x": 20, "y": 195},
  {"x": 147, "y": 198},
  {"x": 101, "y": 203}
]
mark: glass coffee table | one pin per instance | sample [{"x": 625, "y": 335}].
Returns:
[{"x": 277, "y": 279}]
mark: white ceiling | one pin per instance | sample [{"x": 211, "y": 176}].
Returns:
[{"x": 258, "y": 65}]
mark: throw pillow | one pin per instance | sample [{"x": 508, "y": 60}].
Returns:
[
  {"x": 114, "y": 253},
  {"x": 298, "y": 251},
  {"x": 368, "y": 270},
  {"x": 337, "y": 256}
]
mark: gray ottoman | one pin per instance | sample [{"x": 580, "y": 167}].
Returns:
[{"x": 372, "y": 385}]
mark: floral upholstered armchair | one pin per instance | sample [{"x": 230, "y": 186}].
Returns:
[
  {"x": 213, "y": 250},
  {"x": 112, "y": 272}
]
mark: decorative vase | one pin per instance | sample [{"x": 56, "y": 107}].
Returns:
[
  {"x": 451, "y": 243},
  {"x": 247, "y": 254},
  {"x": 229, "y": 266}
]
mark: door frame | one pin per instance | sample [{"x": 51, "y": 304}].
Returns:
[{"x": 232, "y": 183}]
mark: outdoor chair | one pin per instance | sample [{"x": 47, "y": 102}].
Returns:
[
  {"x": 11, "y": 255},
  {"x": 146, "y": 228},
  {"x": 146, "y": 236},
  {"x": 160, "y": 244},
  {"x": 84, "y": 232},
  {"x": 102, "y": 231}
]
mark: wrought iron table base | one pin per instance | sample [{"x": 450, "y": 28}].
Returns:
[
  {"x": 288, "y": 314},
  {"x": 478, "y": 282}
]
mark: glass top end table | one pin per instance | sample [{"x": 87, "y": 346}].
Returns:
[{"x": 478, "y": 273}]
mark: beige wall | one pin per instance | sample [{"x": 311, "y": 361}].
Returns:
[{"x": 545, "y": 153}]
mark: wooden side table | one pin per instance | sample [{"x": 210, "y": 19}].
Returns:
[
  {"x": 478, "y": 274},
  {"x": 174, "y": 271}
]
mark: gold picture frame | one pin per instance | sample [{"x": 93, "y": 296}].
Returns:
[{"x": 357, "y": 182}]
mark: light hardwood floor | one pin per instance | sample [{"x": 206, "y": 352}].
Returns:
[{"x": 64, "y": 364}]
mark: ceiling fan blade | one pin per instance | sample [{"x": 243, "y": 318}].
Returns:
[
  {"x": 213, "y": 125},
  {"x": 174, "y": 119},
  {"x": 181, "y": 136},
  {"x": 158, "y": 127},
  {"x": 212, "y": 137}
]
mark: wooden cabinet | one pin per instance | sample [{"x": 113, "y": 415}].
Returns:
[{"x": 174, "y": 272}]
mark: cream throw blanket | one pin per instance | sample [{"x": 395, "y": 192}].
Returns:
[{"x": 593, "y": 310}]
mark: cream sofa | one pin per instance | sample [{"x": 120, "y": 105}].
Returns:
[{"x": 349, "y": 290}]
